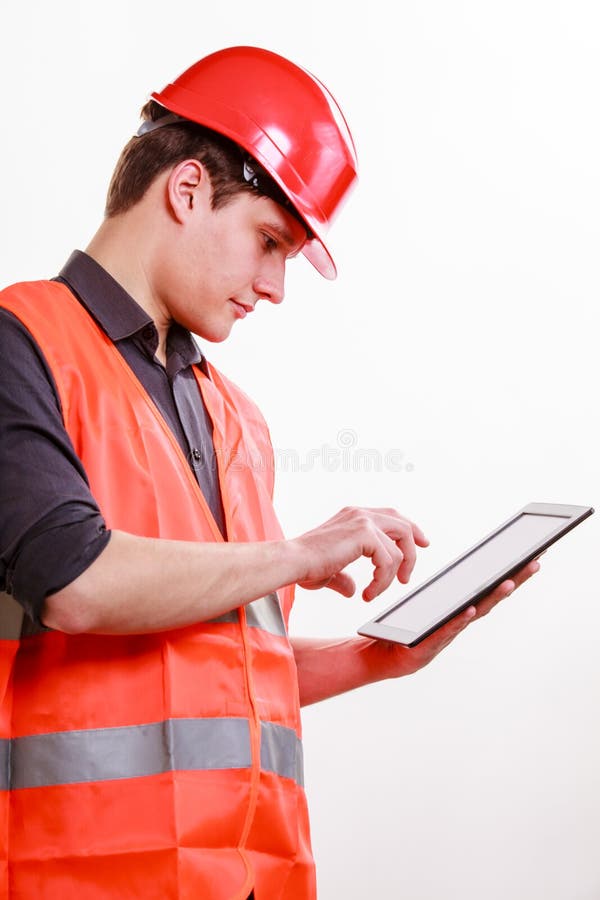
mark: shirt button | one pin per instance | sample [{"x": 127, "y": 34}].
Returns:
[
  {"x": 196, "y": 454},
  {"x": 148, "y": 332}
]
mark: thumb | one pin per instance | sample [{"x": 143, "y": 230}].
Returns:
[{"x": 343, "y": 584}]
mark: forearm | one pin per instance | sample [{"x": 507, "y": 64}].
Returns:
[
  {"x": 330, "y": 667},
  {"x": 142, "y": 584}
]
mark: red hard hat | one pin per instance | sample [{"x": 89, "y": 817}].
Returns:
[{"x": 286, "y": 119}]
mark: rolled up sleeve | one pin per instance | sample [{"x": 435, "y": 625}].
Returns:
[{"x": 51, "y": 528}]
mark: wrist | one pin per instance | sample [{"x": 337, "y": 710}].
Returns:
[
  {"x": 291, "y": 560},
  {"x": 386, "y": 660}
]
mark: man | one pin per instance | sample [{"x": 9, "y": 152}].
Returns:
[{"x": 151, "y": 726}]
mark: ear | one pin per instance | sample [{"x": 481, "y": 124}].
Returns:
[{"x": 187, "y": 186}]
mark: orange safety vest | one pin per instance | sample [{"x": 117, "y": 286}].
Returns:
[{"x": 165, "y": 765}]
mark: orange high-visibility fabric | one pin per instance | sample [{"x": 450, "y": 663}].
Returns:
[{"x": 212, "y": 833}]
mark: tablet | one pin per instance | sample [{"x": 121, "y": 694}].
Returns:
[{"x": 477, "y": 572}]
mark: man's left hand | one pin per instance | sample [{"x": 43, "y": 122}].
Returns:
[{"x": 397, "y": 659}]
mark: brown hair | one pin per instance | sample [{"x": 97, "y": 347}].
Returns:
[{"x": 144, "y": 158}]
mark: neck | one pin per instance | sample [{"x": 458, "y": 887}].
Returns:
[{"x": 120, "y": 248}]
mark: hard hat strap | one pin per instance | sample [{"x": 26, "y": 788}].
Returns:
[
  {"x": 261, "y": 181},
  {"x": 170, "y": 119}
]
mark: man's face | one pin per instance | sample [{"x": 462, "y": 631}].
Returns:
[{"x": 226, "y": 260}]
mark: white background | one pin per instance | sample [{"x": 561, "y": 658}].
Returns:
[{"x": 462, "y": 333}]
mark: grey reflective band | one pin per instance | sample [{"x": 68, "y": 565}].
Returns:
[
  {"x": 231, "y": 616},
  {"x": 264, "y": 613},
  {"x": 11, "y": 617},
  {"x": 281, "y": 752},
  {"x": 4, "y": 764},
  {"x": 104, "y": 754},
  {"x": 108, "y": 754}
]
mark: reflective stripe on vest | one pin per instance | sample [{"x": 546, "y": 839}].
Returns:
[
  {"x": 11, "y": 617},
  {"x": 105, "y": 754},
  {"x": 264, "y": 613}
]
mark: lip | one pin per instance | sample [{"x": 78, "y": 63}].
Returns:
[{"x": 241, "y": 311}]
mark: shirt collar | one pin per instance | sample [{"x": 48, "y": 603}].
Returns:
[{"x": 115, "y": 310}]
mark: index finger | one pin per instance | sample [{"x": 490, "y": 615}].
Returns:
[
  {"x": 406, "y": 534},
  {"x": 393, "y": 514}
]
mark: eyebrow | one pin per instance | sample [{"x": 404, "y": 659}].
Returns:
[{"x": 285, "y": 235}]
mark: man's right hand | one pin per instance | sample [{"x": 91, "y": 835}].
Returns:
[
  {"x": 142, "y": 584},
  {"x": 386, "y": 537}
]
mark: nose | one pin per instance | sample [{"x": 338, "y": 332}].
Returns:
[{"x": 269, "y": 285}]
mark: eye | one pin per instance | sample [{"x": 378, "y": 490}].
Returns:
[{"x": 269, "y": 242}]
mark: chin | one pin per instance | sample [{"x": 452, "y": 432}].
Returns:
[{"x": 214, "y": 335}]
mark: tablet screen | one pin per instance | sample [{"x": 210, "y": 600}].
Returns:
[{"x": 504, "y": 549}]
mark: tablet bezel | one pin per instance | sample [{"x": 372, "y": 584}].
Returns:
[{"x": 573, "y": 515}]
